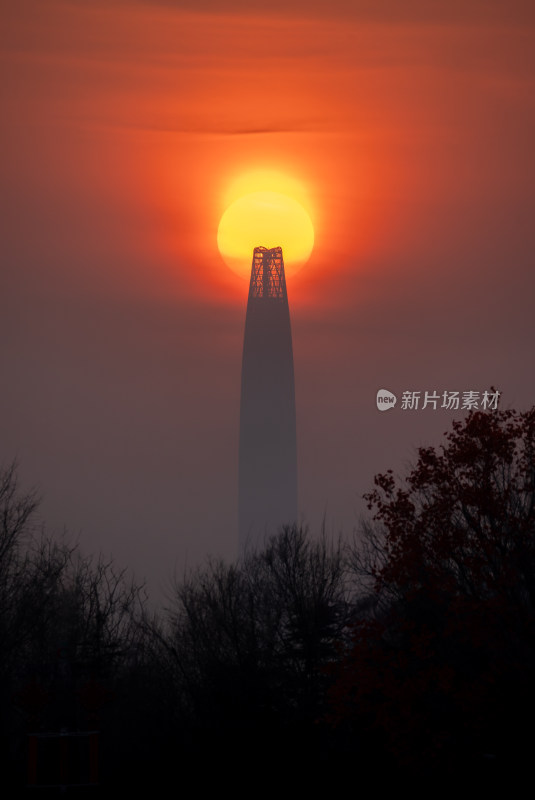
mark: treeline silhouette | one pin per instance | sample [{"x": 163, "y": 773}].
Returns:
[{"x": 406, "y": 652}]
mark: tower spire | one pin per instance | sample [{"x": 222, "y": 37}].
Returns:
[{"x": 267, "y": 273}]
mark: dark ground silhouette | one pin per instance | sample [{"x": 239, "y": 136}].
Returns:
[{"x": 405, "y": 655}]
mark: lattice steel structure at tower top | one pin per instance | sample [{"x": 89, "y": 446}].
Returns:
[{"x": 268, "y": 449}]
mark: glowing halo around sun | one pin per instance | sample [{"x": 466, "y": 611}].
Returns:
[{"x": 268, "y": 219}]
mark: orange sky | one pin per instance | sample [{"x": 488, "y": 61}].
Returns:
[
  {"x": 124, "y": 122},
  {"x": 377, "y": 116}
]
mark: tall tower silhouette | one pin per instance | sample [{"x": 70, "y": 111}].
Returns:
[{"x": 268, "y": 448}]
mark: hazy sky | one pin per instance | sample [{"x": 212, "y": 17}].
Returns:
[{"x": 411, "y": 127}]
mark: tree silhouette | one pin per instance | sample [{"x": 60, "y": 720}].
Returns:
[
  {"x": 70, "y": 629},
  {"x": 441, "y": 669},
  {"x": 248, "y": 643}
]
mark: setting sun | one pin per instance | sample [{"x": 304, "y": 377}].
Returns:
[{"x": 269, "y": 219}]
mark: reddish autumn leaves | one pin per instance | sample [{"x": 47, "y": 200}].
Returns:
[
  {"x": 465, "y": 517},
  {"x": 443, "y": 666}
]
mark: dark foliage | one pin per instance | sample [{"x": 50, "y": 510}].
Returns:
[
  {"x": 440, "y": 671},
  {"x": 410, "y": 653},
  {"x": 248, "y": 643},
  {"x": 68, "y": 628}
]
